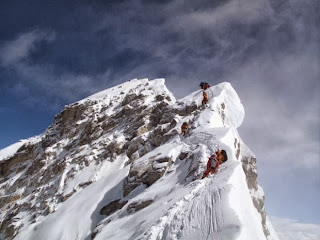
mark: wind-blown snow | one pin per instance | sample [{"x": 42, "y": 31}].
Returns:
[{"x": 217, "y": 207}]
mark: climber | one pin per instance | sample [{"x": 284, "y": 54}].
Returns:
[
  {"x": 214, "y": 161},
  {"x": 212, "y": 165},
  {"x": 184, "y": 128},
  {"x": 204, "y": 85},
  {"x": 205, "y": 98}
]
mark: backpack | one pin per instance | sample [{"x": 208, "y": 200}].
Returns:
[
  {"x": 213, "y": 163},
  {"x": 225, "y": 156}
]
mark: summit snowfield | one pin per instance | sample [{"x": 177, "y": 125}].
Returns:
[{"x": 115, "y": 166}]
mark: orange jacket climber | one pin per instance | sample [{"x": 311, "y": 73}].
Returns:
[
  {"x": 205, "y": 98},
  {"x": 184, "y": 128}
]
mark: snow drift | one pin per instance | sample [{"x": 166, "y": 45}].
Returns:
[{"x": 115, "y": 166}]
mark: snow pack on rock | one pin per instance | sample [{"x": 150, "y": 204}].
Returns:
[{"x": 115, "y": 166}]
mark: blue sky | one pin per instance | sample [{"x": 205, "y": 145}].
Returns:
[{"x": 53, "y": 53}]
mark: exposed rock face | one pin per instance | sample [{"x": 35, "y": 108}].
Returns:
[
  {"x": 249, "y": 166},
  {"x": 26, "y": 152},
  {"x": 185, "y": 111},
  {"x": 112, "y": 207},
  {"x": 138, "y": 206},
  {"x": 250, "y": 169},
  {"x": 147, "y": 172}
]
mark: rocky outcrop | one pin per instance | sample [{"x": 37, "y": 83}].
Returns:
[
  {"x": 145, "y": 172},
  {"x": 18, "y": 162},
  {"x": 250, "y": 169},
  {"x": 134, "y": 207},
  {"x": 68, "y": 118},
  {"x": 112, "y": 207},
  {"x": 184, "y": 110}
]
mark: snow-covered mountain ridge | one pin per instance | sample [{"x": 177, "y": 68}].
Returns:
[{"x": 115, "y": 166}]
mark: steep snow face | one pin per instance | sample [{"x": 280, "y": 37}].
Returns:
[
  {"x": 115, "y": 166},
  {"x": 226, "y": 102}
]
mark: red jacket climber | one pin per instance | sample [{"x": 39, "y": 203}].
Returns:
[
  {"x": 214, "y": 162},
  {"x": 212, "y": 165}
]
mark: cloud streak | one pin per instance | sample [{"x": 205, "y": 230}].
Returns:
[
  {"x": 290, "y": 229},
  {"x": 19, "y": 49},
  {"x": 43, "y": 84}
]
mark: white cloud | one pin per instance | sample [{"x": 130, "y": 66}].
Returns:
[
  {"x": 50, "y": 82},
  {"x": 19, "y": 49},
  {"x": 290, "y": 229},
  {"x": 47, "y": 79},
  {"x": 246, "y": 11},
  {"x": 282, "y": 111}
]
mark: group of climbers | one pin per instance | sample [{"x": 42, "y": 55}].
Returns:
[
  {"x": 204, "y": 86},
  {"x": 214, "y": 161},
  {"x": 220, "y": 156}
]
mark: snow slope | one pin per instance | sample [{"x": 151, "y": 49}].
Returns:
[{"x": 179, "y": 204}]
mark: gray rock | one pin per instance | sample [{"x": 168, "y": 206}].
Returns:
[
  {"x": 250, "y": 170},
  {"x": 130, "y": 98},
  {"x": 112, "y": 207},
  {"x": 146, "y": 173},
  {"x": 134, "y": 207}
]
